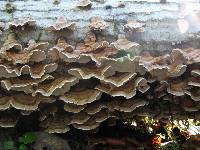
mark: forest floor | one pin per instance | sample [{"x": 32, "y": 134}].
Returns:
[{"x": 121, "y": 136}]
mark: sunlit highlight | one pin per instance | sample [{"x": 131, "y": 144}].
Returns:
[
  {"x": 183, "y": 25},
  {"x": 188, "y": 15}
]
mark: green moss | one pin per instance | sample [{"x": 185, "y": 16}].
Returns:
[{"x": 9, "y": 8}]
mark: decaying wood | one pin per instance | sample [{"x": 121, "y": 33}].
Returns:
[{"x": 79, "y": 63}]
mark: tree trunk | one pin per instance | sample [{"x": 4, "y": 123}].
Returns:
[{"x": 161, "y": 30}]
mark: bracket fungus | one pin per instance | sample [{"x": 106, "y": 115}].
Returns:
[
  {"x": 69, "y": 107},
  {"x": 98, "y": 24},
  {"x": 84, "y": 4},
  {"x": 24, "y": 84},
  {"x": 81, "y": 97},
  {"x": 61, "y": 24},
  {"x": 12, "y": 51},
  {"x": 11, "y": 44},
  {"x": 119, "y": 79},
  {"x": 8, "y": 120},
  {"x": 23, "y": 57},
  {"x": 56, "y": 2},
  {"x": 56, "y": 125},
  {"x": 79, "y": 118},
  {"x": 54, "y": 86},
  {"x": 195, "y": 72},
  {"x": 64, "y": 46},
  {"x": 35, "y": 71},
  {"x": 62, "y": 50},
  {"x": 22, "y": 101},
  {"x": 130, "y": 105},
  {"x": 89, "y": 71},
  {"x": 95, "y": 107},
  {"x": 127, "y": 90},
  {"x": 91, "y": 44},
  {"x": 124, "y": 45},
  {"x": 32, "y": 45},
  {"x": 168, "y": 65},
  {"x": 22, "y": 23}
]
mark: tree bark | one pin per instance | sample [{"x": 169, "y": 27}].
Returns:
[{"x": 161, "y": 30}]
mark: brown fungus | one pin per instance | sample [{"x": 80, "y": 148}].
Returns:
[
  {"x": 127, "y": 90},
  {"x": 36, "y": 70},
  {"x": 119, "y": 79},
  {"x": 89, "y": 71},
  {"x": 91, "y": 44},
  {"x": 55, "y": 86},
  {"x": 22, "y": 23},
  {"x": 24, "y": 57},
  {"x": 32, "y": 45},
  {"x": 168, "y": 65},
  {"x": 195, "y": 73},
  {"x": 58, "y": 124},
  {"x": 98, "y": 24},
  {"x": 95, "y": 107},
  {"x": 89, "y": 125},
  {"x": 8, "y": 120},
  {"x": 81, "y": 96},
  {"x": 79, "y": 118},
  {"x": 11, "y": 44},
  {"x": 61, "y": 24},
  {"x": 23, "y": 101},
  {"x": 177, "y": 87},
  {"x": 73, "y": 107},
  {"x": 84, "y": 4},
  {"x": 63, "y": 46},
  {"x": 26, "y": 84},
  {"x": 56, "y": 2},
  {"x": 122, "y": 44}
]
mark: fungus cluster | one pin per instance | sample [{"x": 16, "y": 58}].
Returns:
[
  {"x": 61, "y": 24},
  {"x": 22, "y": 23},
  {"x": 84, "y": 4},
  {"x": 83, "y": 85},
  {"x": 98, "y": 24}
]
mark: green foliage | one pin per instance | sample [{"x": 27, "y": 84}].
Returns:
[
  {"x": 8, "y": 144},
  {"x": 170, "y": 147},
  {"x": 28, "y": 138},
  {"x": 23, "y": 147}
]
